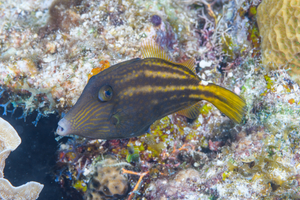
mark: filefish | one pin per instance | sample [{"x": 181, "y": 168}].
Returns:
[{"x": 125, "y": 99}]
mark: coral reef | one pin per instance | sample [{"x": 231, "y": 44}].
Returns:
[
  {"x": 175, "y": 143},
  {"x": 260, "y": 160},
  {"x": 185, "y": 185},
  {"x": 44, "y": 67},
  {"x": 221, "y": 160},
  {"x": 75, "y": 158},
  {"x": 107, "y": 182},
  {"x": 9, "y": 141},
  {"x": 28, "y": 191},
  {"x": 278, "y": 23},
  {"x": 61, "y": 17}
]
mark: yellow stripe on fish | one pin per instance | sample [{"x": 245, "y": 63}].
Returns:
[{"x": 125, "y": 99}]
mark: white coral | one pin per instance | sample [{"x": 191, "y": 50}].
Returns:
[{"x": 9, "y": 141}]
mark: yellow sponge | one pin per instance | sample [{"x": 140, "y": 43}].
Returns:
[{"x": 279, "y": 26}]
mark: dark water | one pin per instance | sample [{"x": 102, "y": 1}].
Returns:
[{"x": 35, "y": 158}]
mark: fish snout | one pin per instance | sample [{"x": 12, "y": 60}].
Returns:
[{"x": 64, "y": 127}]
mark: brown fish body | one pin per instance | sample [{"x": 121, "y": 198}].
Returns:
[{"x": 143, "y": 91}]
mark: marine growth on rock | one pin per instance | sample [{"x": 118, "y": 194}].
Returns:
[
  {"x": 107, "y": 182},
  {"x": 279, "y": 26}
]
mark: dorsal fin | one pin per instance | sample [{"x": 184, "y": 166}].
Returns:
[
  {"x": 151, "y": 50},
  {"x": 191, "y": 112},
  {"x": 190, "y": 63}
]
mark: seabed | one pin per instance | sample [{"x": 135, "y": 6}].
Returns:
[{"x": 49, "y": 49}]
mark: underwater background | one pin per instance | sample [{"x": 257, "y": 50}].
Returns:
[
  {"x": 51, "y": 49},
  {"x": 35, "y": 158}
]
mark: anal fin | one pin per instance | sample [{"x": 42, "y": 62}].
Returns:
[{"x": 191, "y": 112}]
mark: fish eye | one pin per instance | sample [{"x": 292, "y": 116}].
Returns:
[{"x": 105, "y": 93}]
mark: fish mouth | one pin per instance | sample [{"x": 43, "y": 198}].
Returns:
[{"x": 64, "y": 127}]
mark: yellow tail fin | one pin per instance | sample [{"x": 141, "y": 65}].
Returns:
[{"x": 226, "y": 101}]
